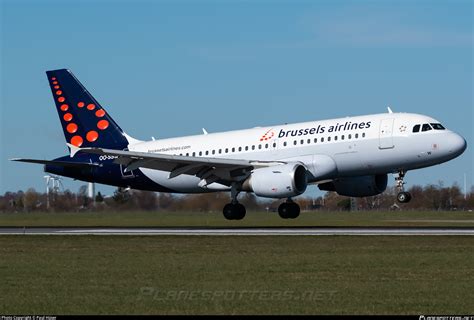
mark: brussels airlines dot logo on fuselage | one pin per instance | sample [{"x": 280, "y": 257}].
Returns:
[
  {"x": 348, "y": 125},
  {"x": 268, "y": 135}
]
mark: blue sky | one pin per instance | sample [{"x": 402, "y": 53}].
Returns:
[{"x": 169, "y": 68}]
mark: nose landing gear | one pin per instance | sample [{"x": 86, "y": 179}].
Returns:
[{"x": 402, "y": 196}]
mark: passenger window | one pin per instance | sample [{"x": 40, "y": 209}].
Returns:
[
  {"x": 200, "y": 153},
  {"x": 246, "y": 148},
  {"x": 357, "y": 136},
  {"x": 226, "y": 150},
  {"x": 363, "y": 134},
  {"x": 315, "y": 140},
  {"x": 302, "y": 141},
  {"x": 274, "y": 145},
  {"x": 233, "y": 149},
  {"x": 260, "y": 146},
  {"x": 309, "y": 141},
  {"x": 284, "y": 144},
  {"x": 253, "y": 147},
  {"x": 213, "y": 151},
  {"x": 426, "y": 127},
  {"x": 437, "y": 126},
  {"x": 187, "y": 154},
  {"x": 240, "y": 149},
  {"x": 194, "y": 154},
  {"x": 342, "y": 137},
  {"x": 349, "y": 136},
  {"x": 266, "y": 145},
  {"x": 322, "y": 139},
  {"x": 207, "y": 153},
  {"x": 329, "y": 139},
  {"x": 220, "y": 151},
  {"x": 416, "y": 128},
  {"x": 335, "y": 138},
  {"x": 295, "y": 142}
]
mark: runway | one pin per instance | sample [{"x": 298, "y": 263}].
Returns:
[{"x": 282, "y": 231}]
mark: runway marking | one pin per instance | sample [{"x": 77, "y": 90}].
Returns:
[
  {"x": 434, "y": 220},
  {"x": 328, "y": 231}
]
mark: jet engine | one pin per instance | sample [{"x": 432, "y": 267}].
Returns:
[
  {"x": 281, "y": 181},
  {"x": 363, "y": 186}
]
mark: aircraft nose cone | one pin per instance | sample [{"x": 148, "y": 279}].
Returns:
[{"x": 457, "y": 145}]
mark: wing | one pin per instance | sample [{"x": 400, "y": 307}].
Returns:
[{"x": 224, "y": 171}]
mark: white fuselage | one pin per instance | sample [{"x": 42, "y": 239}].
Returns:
[{"x": 362, "y": 145}]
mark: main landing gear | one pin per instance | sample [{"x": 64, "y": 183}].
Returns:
[
  {"x": 402, "y": 196},
  {"x": 289, "y": 209},
  {"x": 234, "y": 210}
]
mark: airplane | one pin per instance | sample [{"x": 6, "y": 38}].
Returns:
[{"x": 351, "y": 156}]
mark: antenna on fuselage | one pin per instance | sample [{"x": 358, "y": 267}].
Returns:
[{"x": 389, "y": 110}]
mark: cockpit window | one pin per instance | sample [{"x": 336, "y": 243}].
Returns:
[
  {"x": 437, "y": 126},
  {"x": 426, "y": 127},
  {"x": 416, "y": 128}
]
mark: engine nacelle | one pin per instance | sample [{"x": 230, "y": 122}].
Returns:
[
  {"x": 280, "y": 181},
  {"x": 363, "y": 186}
]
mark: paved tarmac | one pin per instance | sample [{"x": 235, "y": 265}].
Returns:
[{"x": 244, "y": 231}]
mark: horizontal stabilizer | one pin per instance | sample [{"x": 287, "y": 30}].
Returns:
[{"x": 59, "y": 163}]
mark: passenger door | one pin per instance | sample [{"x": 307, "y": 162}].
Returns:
[{"x": 386, "y": 134}]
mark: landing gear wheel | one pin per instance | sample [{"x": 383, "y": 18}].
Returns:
[
  {"x": 403, "y": 197},
  {"x": 289, "y": 210},
  {"x": 234, "y": 211},
  {"x": 240, "y": 211},
  {"x": 228, "y": 211}
]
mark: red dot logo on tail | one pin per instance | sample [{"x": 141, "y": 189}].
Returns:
[
  {"x": 71, "y": 128},
  {"x": 67, "y": 117},
  {"x": 100, "y": 113},
  {"x": 77, "y": 141},
  {"x": 92, "y": 136},
  {"x": 102, "y": 124}
]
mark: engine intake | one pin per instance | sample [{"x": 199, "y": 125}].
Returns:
[{"x": 281, "y": 181}]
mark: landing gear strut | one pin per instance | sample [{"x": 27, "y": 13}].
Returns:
[
  {"x": 234, "y": 210},
  {"x": 402, "y": 196},
  {"x": 289, "y": 209}
]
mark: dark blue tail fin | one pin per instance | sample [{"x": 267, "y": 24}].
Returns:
[{"x": 85, "y": 123}]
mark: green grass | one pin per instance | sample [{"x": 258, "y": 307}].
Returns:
[
  {"x": 236, "y": 275},
  {"x": 216, "y": 219}
]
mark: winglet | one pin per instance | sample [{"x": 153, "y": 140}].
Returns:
[
  {"x": 204, "y": 131},
  {"x": 389, "y": 110},
  {"x": 73, "y": 149}
]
